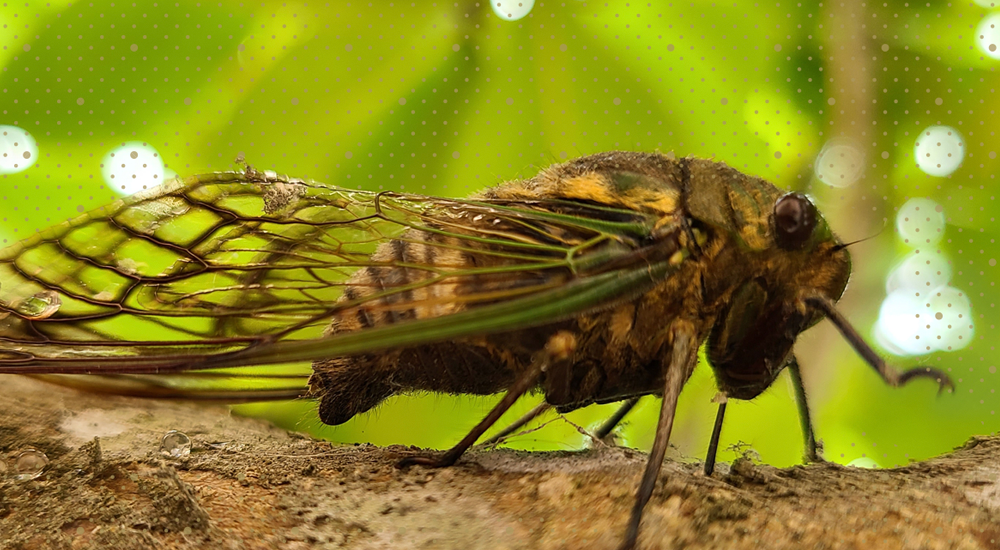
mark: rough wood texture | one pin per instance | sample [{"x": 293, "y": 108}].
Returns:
[{"x": 248, "y": 485}]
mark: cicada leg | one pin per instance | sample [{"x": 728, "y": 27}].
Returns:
[
  {"x": 534, "y": 413},
  {"x": 889, "y": 374},
  {"x": 601, "y": 433},
  {"x": 814, "y": 450},
  {"x": 612, "y": 422},
  {"x": 713, "y": 443},
  {"x": 558, "y": 352},
  {"x": 682, "y": 359}
]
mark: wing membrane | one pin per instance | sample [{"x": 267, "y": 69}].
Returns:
[{"x": 233, "y": 269}]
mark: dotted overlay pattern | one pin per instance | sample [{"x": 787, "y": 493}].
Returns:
[{"x": 446, "y": 98}]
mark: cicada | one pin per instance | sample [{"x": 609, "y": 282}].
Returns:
[{"x": 595, "y": 281}]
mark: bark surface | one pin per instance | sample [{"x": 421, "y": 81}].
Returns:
[{"x": 249, "y": 485}]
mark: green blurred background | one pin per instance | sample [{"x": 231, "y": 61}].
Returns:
[{"x": 446, "y": 98}]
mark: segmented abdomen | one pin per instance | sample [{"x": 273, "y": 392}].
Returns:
[
  {"x": 416, "y": 277},
  {"x": 421, "y": 275}
]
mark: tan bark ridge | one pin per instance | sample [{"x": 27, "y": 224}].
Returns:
[{"x": 249, "y": 485}]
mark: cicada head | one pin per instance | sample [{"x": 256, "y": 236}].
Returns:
[{"x": 752, "y": 339}]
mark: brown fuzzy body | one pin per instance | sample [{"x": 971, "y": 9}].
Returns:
[{"x": 718, "y": 215}]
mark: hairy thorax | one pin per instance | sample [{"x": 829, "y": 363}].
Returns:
[{"x": 618, "y": 354}]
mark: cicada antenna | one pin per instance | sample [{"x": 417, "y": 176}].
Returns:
[{"x": 842, "y": 246}]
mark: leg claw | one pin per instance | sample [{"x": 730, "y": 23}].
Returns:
[{"x": 943, "y": 380}]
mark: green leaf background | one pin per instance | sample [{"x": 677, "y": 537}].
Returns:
[{"x": 446, "y": 98}]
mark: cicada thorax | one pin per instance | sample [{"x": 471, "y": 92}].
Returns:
[
  {"x": 613, "y": 360},
  {"x": 615, "y": 356}
]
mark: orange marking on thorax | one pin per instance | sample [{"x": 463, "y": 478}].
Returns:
[{"x": 590, "y": 186}]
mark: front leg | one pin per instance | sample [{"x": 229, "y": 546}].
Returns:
[
  {"x": 713, "y": 442},
  {"x": 558, "y": 351},
  {"x": 683, "y": 341},
  {"x": 814, "y": 450}
]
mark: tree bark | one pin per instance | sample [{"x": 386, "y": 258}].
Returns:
[{"x": 249, "y": 485}]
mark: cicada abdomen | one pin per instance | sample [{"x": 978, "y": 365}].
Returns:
[{"x": 423, "y": 275}]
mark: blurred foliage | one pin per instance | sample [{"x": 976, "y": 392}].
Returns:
[{"x": 443, "y": 98}]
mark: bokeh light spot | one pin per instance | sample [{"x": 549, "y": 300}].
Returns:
[
  {"x": 920, "y": 221},
  {"x": 18, "y": 150},
  {"x": 840, "y": 163},
  {"x": 939, "y": 150},
  {"x": 988, "y": 35},
  {"x": 131, "y": 167},
  {"x": 919, "y": 272},
  {"x": 512, "y": 10}
]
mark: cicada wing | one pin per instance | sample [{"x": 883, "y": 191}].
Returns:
[
  {"x": 230, "y": 389},
  {"x": 232, "y": 269},
  {"x": 215, "y": 261}
]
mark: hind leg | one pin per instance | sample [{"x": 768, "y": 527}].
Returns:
[
  {"x": 557, "y": 354},
  {"x": 612, "y": 422}
]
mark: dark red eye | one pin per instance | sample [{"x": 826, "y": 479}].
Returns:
[{"x": 794, "y": 221}]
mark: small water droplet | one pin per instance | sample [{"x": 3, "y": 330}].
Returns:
[
  {"x": 40, "y": 306},
  {"x": 175, "y": 444},
  {"x": 29, "y": 464}
]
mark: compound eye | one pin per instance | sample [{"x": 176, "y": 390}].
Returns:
[{"x": 794, "y": 221}]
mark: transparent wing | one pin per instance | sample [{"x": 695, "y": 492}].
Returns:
[{"x": 234, "y": 269}]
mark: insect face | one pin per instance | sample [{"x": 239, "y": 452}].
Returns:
[{"x": 752, "y": 340}]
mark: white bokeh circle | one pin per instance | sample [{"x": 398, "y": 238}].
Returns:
[
  {"x": 18, "y": 150},
  {"x": 512, "y": 10},
  {"x": 949, "y": 314},
  {"x": 988, "y": 35},
  {"x": 939, "y": 150},
  {"x": 920, "y": 221},
  {"x": 840, "y": 163},
  {"x": 898, "y": 325},
  {"x": 863, "y": 462},
  {"x": 132, "y": 167},
  {"x": 918, "y": 323},
  {"x": 919, "y": 272}
]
